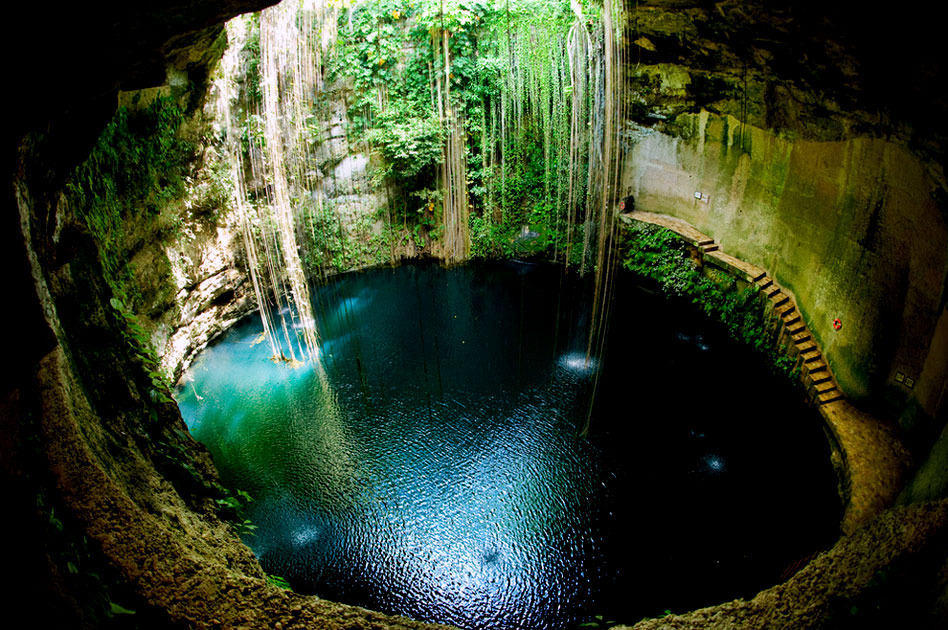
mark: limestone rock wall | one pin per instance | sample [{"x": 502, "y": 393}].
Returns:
[
  {"x": 191, "y": 280},
  {"x": 814, "y": 139},
  {"x": 852, "y": 227},
  {"x": 212, "y": 293},
  {"x": 121, "y": 483},
  {"x": 345, "y": 169}
]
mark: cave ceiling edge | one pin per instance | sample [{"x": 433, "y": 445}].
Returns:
[{"x": 849, "y": 71}]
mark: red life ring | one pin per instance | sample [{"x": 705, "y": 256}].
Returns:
[{"x": 837, "y": 324}]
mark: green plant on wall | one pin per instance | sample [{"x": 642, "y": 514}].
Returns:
[
  {"x": 490, "y": 102},
  {"x": 80, "y": 568},
  {"x": 251, "y": 50},
  {"x": 496, "y": 104},
  {"x": 139, "y": 343},
  {"x": 279, "y": 582},
  {"x": 233, "y": 507},
  {"x": 138, "y": 166},
  {"x": 129, "y": 186},
  {"x": 409, "y": 139},
  {"x": 505, "y": 67},
  {"x": 599, "y": 623},
  {"x": 659, "y": 254}
]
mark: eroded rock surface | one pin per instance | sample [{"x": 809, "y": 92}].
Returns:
[{"x": 112, "y": 502}]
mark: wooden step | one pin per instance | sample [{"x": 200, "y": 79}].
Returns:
[
  {"x": 801, "y": 336},
  {"x": 829, "y": 397},
  {"x": 764, "y": 283},
  {"x": 806, "y": 346},
  {"x": 793, "y": 323},
  {"x": 703, "y": 242},
  {"x": 815, "y": 366},
  {"x": 785, "y": 311},
  {"x": 770, "y": 290},
  {"x": 760, "y": 276},
  {"x": 709, "y": 248},
  {"x": 824, "y": 386},
  {"x": 819, "y": 377},
  {"x": 811, "y": 356},
  {"x": 779, "y": 298}
]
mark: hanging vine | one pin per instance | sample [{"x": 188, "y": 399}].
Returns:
[
  {"x": 283, "y": 77},
  {"x": 491, "y": 125}
]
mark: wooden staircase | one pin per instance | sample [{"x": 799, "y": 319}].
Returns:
[{"x": 814, "y": 372}]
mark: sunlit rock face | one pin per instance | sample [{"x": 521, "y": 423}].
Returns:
[{"x": 209, "y": 299}]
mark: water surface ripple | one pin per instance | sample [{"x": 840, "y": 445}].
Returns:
[{"x": 431, "y": 464}]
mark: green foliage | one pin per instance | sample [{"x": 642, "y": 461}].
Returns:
[
  {"x": 328, "y": 246},
  {"x": 485, "y": 237},
  {"x": 500, "y": 52},
  {"x": 599, "y": 623},
  {"x": 139, "y": 343},
  {"x": 659, "y": 254},
  {"x": 252, "y": 132},
  {"x": 218, "y": 195},
  {"x": 410, "y": 141},
  {"x": 126, "y": 188},
  {"x": 233, "y": 507},
  {"x": 138, "y": 166},
  {"x": 523, "y": 176},
  {"x": 81, "y": 570},
  {"x": 370, "y": 43},
  {"x": 279, "y": 582},
  {"x": 253, "y": 89},
  {"x": 116, "y": 609},
  {"x": 472, "y": 97}
]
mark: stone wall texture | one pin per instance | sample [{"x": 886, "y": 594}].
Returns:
[{"x": 851, "y": 227}]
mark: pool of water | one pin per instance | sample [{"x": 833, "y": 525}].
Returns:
[{"x": 432, "y": 463}]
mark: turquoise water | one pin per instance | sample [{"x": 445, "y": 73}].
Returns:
[{"x": 431, "y": 464}]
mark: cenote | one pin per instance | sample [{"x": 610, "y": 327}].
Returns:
[{"x": 433, "y": 463}]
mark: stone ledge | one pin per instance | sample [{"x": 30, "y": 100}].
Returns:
[
  {"x": 875, "y": 462},
  {"x": 902, "y": 543}
]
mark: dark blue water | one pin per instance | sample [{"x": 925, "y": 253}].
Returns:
[{"x": 432, "y": 463}]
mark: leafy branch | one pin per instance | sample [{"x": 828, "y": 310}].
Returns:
[{"x": 233, "y": 508}]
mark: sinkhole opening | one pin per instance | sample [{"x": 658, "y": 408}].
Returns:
[{"x": 433, "y": 463}]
